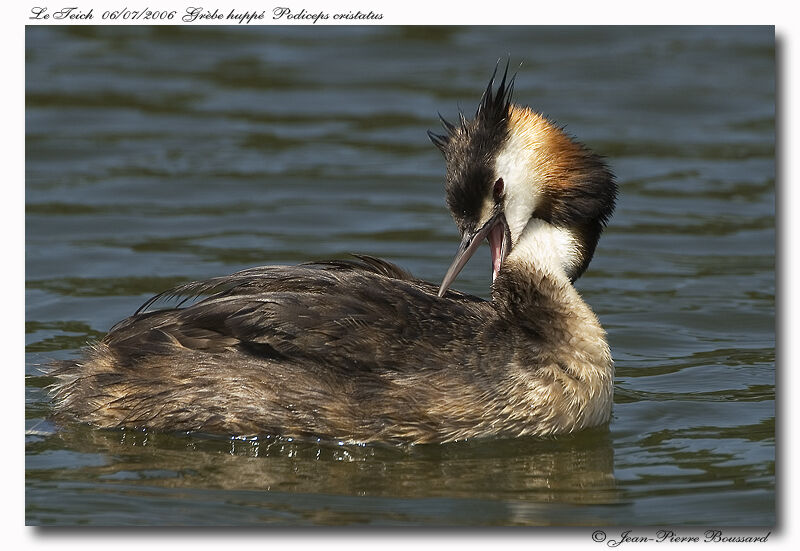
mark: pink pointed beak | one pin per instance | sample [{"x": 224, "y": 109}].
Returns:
[{"x": 496, "y": 231}]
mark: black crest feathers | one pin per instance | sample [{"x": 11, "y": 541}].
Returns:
[
  {"x": 494, "y": 106},
  {"x": 471, "y": 147},
  {"x": 492, "y": 110}
]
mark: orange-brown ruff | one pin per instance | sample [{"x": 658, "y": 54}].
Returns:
[{"x": 361, "y": 351}]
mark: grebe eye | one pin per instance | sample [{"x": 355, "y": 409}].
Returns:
[{"x": 499, "y": 188}]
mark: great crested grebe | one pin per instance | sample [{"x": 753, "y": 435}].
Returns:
[{"x": 361, "y": 351}]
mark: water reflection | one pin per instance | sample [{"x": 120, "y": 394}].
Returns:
[{"x": 575, "y": 470}]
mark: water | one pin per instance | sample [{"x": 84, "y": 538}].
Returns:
[{"x": 160, "y": 155}]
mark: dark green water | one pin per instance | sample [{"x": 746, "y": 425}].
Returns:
[{"x": 161, "y": 155}]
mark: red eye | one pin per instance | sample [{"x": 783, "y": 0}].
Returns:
[{"x": 499, "y": 188}]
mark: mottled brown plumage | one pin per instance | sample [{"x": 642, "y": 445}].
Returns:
[{"x": 359, "y": 350}]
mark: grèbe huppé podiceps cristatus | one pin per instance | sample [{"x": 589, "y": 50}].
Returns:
[{"x": 361, "y": 351}]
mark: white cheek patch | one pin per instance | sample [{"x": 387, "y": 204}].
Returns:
[
  {"x": 513, "y": 165},
  {"x": 547, "y": 248}
]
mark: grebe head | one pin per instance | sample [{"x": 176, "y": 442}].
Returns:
[{"x": 519, "y": 181}]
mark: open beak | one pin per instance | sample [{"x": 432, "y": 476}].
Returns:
[{"x": 496, "y": 230}]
